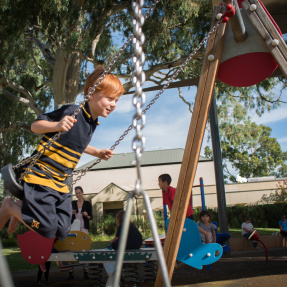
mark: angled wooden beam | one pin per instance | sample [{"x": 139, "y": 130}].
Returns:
[
  {"x": 268, "y": 32},
  {"x": 193, "y": 146}
]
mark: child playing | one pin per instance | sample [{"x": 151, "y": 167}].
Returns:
[
  {"x": 134, "y": 240},
  {"x": 205, "y": 224},
  {"x": 168, "y": 193},
  {"x": 247, "y": 229},
  {"x": 46, "y": 207}
]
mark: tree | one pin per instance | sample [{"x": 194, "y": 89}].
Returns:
[
  {"x": 250, "y": 149},
  {"x": 247, "y": 147},
  {"x": 50, "y": 46}
]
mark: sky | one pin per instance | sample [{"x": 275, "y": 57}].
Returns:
[{"x": 167, "y": 124}]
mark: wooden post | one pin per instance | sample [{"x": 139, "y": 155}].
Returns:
[
  {"x": 193, "y": 146},
  {"x": 268, "y": 32}
]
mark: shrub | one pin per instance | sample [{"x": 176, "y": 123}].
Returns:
[
  {"x": 109, "y": 224},
  {"x": 263, "y": 216},
  {"x": 8, "y": 243}
]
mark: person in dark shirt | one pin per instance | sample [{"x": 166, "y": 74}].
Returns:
[
  {"x": 134, "y": 240},
  {"x": 46, "y": 207}
]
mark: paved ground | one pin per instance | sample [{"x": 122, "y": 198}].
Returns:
[{"x": 239, "y": 269}]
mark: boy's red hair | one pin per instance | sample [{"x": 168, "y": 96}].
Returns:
[{"x": 110, "y": 85}]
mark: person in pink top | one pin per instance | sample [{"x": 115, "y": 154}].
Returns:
[
  {"x": 168, "y": 193},
  {"x": 82, "y": 211}
]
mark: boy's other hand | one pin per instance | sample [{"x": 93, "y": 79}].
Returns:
[
  {"x": 66, "y": 123},
  {"x": 105, "y": 154}
]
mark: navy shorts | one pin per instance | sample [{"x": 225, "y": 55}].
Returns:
[{"x": 47, "y": 211}]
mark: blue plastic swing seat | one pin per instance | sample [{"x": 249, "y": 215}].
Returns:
[{"x": 192, "y": 251}]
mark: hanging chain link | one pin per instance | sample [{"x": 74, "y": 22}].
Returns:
[
  {"x": 138, "y": 79},
  {"x": 33, "y": 159},
  {"x": 82, "y": 172}
]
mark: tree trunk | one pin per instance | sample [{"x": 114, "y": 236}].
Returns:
[
  {"x": 59, "y": 78},
  {"x": 72, "y": 77}
]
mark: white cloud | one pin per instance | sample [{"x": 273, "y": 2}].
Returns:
[
  {"x": 271, "y": 117},
  {"x": 282, "y": 140},
  {"x": 124, "y": 105}
]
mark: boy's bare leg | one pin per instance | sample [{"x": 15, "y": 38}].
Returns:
[
  {"x": 14, "y": 220},
  {"x": 9, "y": 208}
]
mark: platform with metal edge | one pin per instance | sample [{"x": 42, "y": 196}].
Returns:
[{"x": 107, "y": 257}]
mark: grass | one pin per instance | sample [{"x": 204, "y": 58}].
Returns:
[
  {"x": 236, "y": 232},
  {"x": 16, "y": 261}
]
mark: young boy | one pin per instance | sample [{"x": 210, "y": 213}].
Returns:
[
  {"x": 46, "y": 207},
  {"x": 247, "y": 229},
  {"x": 168, "y": 193}
]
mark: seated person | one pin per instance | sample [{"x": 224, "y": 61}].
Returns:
[
  {"x": 247, "y": 229},
  {"x": 134, "y": 240},
  {"x": 283, "y": 226},
  {"x": 207, "y": 226}
]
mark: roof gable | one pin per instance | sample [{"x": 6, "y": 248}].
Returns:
[{"x": 111, "y": 192}]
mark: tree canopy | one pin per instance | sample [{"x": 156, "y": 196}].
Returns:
[
  {"x": 246, "y": 146},
  {"x": 49, "y": 47}
]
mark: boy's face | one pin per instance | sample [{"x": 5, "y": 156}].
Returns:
[
  {"x": 161, "y": 184},
  {"x": 101, "y": 105}
]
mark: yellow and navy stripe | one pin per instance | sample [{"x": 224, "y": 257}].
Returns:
[{"x": 63, "y": 155}]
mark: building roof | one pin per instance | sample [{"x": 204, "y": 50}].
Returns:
[{"x": 149, "y": 158}]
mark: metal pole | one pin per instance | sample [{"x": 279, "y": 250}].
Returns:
[
  {"x": 236, "y": 23},
  {"x": 5, "y": 276},
  {"x": 165, "y": 217},
  {"x": 202, "y": 193},
  {"x": 221, "y": 200}
]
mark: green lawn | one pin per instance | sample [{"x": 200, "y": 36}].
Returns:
[
  {"x": 16, "y": 261},
  {"x": 236, "y": 232}
]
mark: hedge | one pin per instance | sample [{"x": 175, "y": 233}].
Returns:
[{"x": 262, "y": 216}]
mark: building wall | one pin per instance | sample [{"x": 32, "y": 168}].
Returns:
[
  {"x": 95, "y": 181},
  {"x": 238, "y": 193},
  {"x": 114, "y": 185}
]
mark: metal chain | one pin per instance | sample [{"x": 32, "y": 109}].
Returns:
[
  {"x": 82, "y": 172},
  {"x": 33, "y": 159},
  {"x": 138, "y": 142},
  {"x": 138, "y": 80},
  {"x": 183, "y": 65}
]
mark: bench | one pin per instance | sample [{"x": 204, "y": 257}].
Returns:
[{"x": 271, "y": 241}]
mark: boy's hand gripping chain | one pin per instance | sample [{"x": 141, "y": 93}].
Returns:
[
  {"x": 9, "y": 174},
  {"x": 82, "y": 172},
  {"x": 14, "y": 180},
  {"x": 138, "y": 146}
]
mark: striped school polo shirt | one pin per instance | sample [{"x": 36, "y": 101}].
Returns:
[{"x": 62, "y": 157}]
